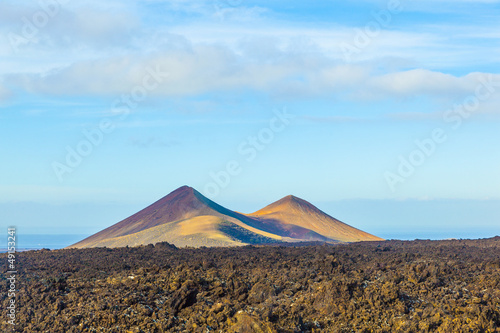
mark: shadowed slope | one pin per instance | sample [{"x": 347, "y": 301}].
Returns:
[
  {"x": 205, "y": 230},
  {"x": 291, "y": 212}
]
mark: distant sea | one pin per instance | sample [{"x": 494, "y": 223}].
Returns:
[
  {"x": 42, "y": 241},
  {"x": 26, "y": 242}
]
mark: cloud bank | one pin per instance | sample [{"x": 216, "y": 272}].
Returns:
[{"x": 105, "y": 49}]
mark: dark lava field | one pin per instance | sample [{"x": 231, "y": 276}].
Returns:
[{"x": 389, "y": 286}]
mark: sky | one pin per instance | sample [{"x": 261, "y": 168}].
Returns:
[{"x": 384, "y": 114}]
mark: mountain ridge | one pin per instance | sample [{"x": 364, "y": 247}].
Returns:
[{"x": 185, "y": 214}]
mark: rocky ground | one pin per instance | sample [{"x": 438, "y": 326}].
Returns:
[{"x": 391, "y": 286}]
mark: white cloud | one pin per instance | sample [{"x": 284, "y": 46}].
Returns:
[
  {"x": 88, "y": 26},
  {"x": 45, "y": 27},
  {"x": 421, "y": 82},
  {"x": 201, "y": 68}
]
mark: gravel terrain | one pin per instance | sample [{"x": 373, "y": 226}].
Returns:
[{"x": 387, "y": 286}]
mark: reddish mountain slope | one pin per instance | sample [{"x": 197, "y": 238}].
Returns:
[{"x": 181, "y": 205}]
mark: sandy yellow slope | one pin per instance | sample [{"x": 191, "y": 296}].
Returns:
[
  {"x": 291, "y": 212},
  {"x": 197, "y": 231}
]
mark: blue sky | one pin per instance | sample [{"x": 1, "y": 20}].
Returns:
[{"x": 354, "y": 106}]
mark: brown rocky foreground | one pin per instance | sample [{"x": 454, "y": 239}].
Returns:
[{"x": 390, "y": 286}]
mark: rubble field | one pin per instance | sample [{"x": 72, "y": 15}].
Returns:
[{"x": 385, "y": 286}]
